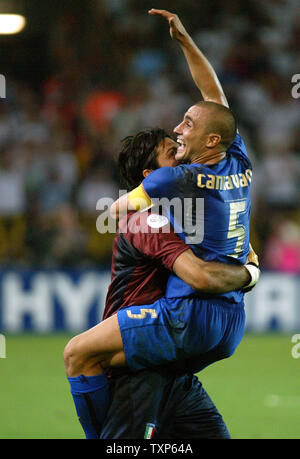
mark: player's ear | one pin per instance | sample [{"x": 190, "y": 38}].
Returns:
[
  {"x": 213, "y": 140},
  {"x": 146, "y": 172}
]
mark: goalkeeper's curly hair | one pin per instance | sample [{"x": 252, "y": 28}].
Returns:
[{"x": 139, "y": 152}]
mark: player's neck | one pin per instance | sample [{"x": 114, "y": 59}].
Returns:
[{"x": 208, "y": 157}]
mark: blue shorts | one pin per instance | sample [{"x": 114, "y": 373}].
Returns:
[
  {"x": 176, "y": 405},
  {"x": 190, "y": 330}
]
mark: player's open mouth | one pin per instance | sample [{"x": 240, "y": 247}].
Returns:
[{"x": 181, "y": 145}]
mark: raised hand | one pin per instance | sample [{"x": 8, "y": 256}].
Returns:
[
  {"x": 177, "y": 31},
  {"x": 201, "y": 70}
]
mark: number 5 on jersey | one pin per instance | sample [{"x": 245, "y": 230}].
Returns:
[
  {"x": 234, "y": 228},
  {"x": 143, "y": 314}
]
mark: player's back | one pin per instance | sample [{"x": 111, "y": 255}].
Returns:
[
  {"x": 214, "y": 210},
  {"x": 143, "y": 256}
]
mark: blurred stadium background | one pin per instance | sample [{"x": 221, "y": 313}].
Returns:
[{"x": 80, "y": 77}]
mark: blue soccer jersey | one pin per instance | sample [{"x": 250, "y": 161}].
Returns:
[{"x": 209, "y": 209}]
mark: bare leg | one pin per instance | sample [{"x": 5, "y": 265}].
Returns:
[{"x": 90, "y": 352}]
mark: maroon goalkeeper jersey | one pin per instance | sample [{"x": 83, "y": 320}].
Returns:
[{"x": 144, "y": 251}]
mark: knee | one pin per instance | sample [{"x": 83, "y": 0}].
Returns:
[
  {"x": 73, "y": 358},
  {"x": 224, "y": 353},
  {"x": 228, "y": 353}
]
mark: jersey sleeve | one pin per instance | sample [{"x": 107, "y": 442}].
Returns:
[
  {"x": 164, "y": 182},
  {"x": 160, "y": 243},
  {"x": 238, "y": 148}
]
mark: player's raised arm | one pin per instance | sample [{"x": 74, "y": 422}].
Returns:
[{"x": 202, "y": 72}]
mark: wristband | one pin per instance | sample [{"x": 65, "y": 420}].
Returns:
[{"x": 254, "y": 272}]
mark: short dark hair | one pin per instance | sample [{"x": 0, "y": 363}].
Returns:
[
  {"x": 139, "y": 152},
  {"x": 222, "y": 121}
]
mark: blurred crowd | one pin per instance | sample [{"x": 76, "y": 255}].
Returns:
[{"x": 113, "y": 71}]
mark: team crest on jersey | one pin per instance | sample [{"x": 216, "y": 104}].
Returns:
[
  {"x": 157, "y": 221},
  {"x": 149, "y": 431}
]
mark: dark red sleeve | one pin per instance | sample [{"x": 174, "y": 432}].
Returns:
[{"x": 159, "y": 243}]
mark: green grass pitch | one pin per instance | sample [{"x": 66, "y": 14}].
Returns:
[{"x": 256, "y": 390}]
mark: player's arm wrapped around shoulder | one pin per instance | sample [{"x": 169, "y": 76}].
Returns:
[
  {"x": 161, "y": 183},
  {"x": 136, "y": 199},
  {"x": 252, "y": 265}
]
